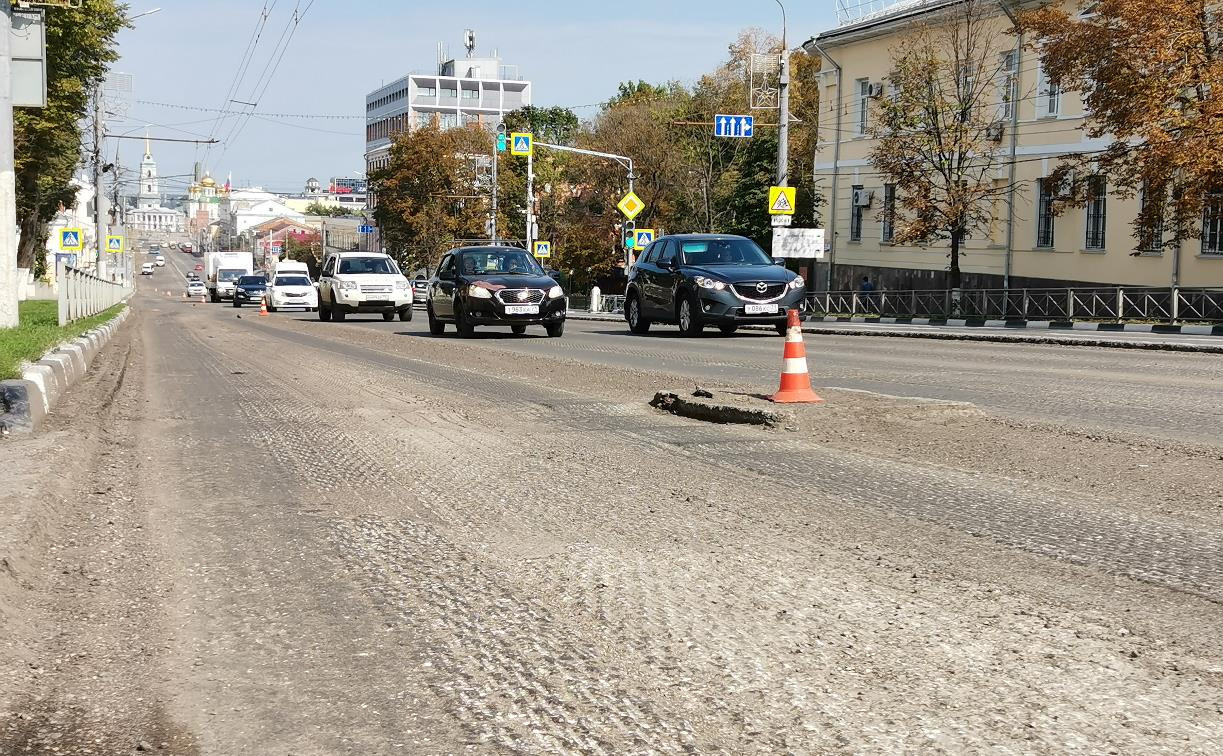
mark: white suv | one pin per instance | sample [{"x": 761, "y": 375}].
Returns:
[{"x": 363, "y": 282}]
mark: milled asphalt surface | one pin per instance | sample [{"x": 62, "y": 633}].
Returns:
[{"x": 275, "y": 535}]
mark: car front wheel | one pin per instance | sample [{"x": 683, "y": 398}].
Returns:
[
  {"x": 405, "y": 315},
  {"x": 555, "y": 330},
  {"x": 466, "y": 330},
  {"x": 324, "y": 312},
  {"x": 689, "y": 317},
  {"x": 388, "y": 316},
  {"x": 436, "y": 327},
  {"x": 636, "y": 323}
]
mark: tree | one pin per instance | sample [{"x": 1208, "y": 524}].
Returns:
[
  {"x": 429, "y": 194},
  {"x": 556, "y": 125},
  {"x": 935, "y": 129},
  {"x": 47, "y": 141},
  {"x": 1151, "y": 78},
  {"x": 331, "y": 211}
]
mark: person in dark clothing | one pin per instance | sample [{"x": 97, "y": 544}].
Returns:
[
  {"x": 867, "y": 291},
  {"x": 867, "y": 287}
]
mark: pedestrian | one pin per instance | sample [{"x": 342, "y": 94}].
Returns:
[
  {"x": 867, "y": 291},
  {"x": 867, "y": 287}
]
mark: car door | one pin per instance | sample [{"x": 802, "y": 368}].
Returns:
[
  {"x": 442, "y": 288},
  {"x": 667, "y": 281},
  {"x": 326, "y": 280},
  {"x": 647, "y": 279}
]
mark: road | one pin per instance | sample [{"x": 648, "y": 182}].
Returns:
[{"x": 275, "y": 535}]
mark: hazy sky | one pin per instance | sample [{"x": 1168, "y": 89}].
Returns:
[{"x": 574, "y": 53}]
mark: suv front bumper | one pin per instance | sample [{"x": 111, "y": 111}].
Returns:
[
  {"x": 492, "y": 312},
  {"x": 724, "y": 308}
]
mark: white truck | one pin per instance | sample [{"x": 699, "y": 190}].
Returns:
[{"x": 223, "y": 269}]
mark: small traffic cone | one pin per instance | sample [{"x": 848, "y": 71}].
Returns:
[
  {"x": 202, "y": 300},
  {"x": 263, "y": 309},
  {"x": 795, "y": 380}
]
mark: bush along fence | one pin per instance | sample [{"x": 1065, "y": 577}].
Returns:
[
  {"x": 1104, "y": 304},
  {"x": 83, "y": 294}
]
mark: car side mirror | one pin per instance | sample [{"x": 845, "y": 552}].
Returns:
[
  {"x": 445, "y": 275},
  {"x": 779, "y": 261}
]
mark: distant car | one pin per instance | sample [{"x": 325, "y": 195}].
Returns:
[
  {"x": 289, "y": 291},
  {"x": 497, "y": 286},
  {"x": 196, "y": 288},
  {"x": 420, "y": 290},
  {"x": 146, "y": 269},
  {"x": 160, "y": 261},
  {"x": 249, "y": 290},
  {"x": 695, "y": 280},
  {"x": 199, "y": 267}
]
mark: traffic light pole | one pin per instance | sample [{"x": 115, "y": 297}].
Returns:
[
  {"x": 8, "y": 180},
  {"x": 623, "y": 160}
]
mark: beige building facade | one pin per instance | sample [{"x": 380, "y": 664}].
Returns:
[{"x": 1026, "y": 245}]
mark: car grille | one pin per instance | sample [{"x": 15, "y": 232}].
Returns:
[
  {"x": 375, "y": 289},
  {"x": 515, "y": 296},
  {"x": 750, "y": 291}
]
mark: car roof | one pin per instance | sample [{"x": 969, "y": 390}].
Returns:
[
  {"x": 702, "y": 237},
  {"x": 357, "y": 254},
  {"x": 485, "y": 248}
]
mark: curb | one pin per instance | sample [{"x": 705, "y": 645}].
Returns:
[
  {"x": 1040, "y": 325},
  {"x": 25, "y": 402},
  {"x": 1045, "y": 332}
]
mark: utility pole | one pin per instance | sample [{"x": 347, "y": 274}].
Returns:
[
  {"x": 98, "y": 193},
  {"x": 531, "y": 200},
  {"x": 497, "y": 142},
  {"x": 783, "y": 115},
  {"x": 8, "y": 179}
]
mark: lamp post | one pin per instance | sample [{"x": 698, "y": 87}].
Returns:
[{"x": 783, "y": 99}]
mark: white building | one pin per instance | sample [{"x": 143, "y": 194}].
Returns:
[
  {"x": 149, "y": 215},
  {"x": 243, "y": 208},
  {"x": 464, "y": 92}
]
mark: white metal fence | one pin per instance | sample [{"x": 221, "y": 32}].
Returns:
[
  {"x": 83, "y": 294},
  {"x": 1103, "y": 303}
]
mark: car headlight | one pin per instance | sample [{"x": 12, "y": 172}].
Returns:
[
  {"x": 402, "y": 285},
  {"x": 479, "y": 292},
  {"x": 797, "y": 283},
  {"x": 556, "y": 291},
  {"x": 709, "y": 283},
  {"x": 347, "y": 285}
]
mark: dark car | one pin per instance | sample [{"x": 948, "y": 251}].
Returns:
[
  {"x": 249, "y": 290},
  {"x": 493, "y": 286},
  {"x": 420, "y": 290},
  {"x": 695, "y": 280}
]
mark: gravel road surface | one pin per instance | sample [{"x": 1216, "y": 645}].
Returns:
[{"x": 278, "y": 536}]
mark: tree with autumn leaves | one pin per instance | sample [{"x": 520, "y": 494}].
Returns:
[{"x": 1151, "y": 78}]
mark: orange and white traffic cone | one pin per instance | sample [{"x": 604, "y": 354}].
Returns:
[
  {"x": 795, "y": 380},
  {"x": 202, "y": 300},
  {"x": 263, "y": 309}
]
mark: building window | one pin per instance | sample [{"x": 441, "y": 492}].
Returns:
[
  {"x": 450, "y": 120},
  {"x": 471, "y": 94},
  {"x": 1151, "y": 240},
  {"x": 889, "y": 212},
  {"x": 1008, "y": 85},
  {"x": 450, "y": 92},
  {"x": 1044, "y": 213},
  {"x": 1097, "y": 197},
  {"x": 1048, "y": 96},
  {"x": 855, "y": 214},
  {"x": 864, "y": 103},
  {"x": 423, "y": 120},
  {"x": 1212, "y": 226},
  {"x": 427, "y": 91}
]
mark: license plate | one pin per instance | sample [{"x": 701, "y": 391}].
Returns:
[
  {"x": 760, "y": 309},
  {"x": 522, "y": 309}
]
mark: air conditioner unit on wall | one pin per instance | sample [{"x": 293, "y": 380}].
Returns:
[
  {"x": 875, "y": 90},
  {"x": 863, "y": 197}
]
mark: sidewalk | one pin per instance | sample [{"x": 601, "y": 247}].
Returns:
[{"x": 1202, "y": 339}]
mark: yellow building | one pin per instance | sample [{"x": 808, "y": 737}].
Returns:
[{"x": 1026, "y": 245}]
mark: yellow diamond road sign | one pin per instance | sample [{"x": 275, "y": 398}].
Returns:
[
  {"x": 781, "y": 200},
  {"x": 631, "y": 206}
]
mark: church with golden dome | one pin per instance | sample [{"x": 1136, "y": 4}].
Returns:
[{"x": 203, "y": 206}]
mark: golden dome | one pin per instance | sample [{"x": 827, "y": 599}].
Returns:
[{"x": 207, "y": 181}]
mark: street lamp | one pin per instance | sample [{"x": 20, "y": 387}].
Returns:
[
  {"x": 783, "y": 110},
  {"x": 144, "y": 13}
]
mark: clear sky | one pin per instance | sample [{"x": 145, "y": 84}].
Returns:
[{"x": 574, "y": 53}]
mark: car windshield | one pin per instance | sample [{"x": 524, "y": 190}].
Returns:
[
  {"x": 368, "y": 265},
  {"x": 230, "y": 275},
  {"x": 252, "y": 281},
  {"x": 723, "y": 252},
  {"x": 292, "y": 281},
  {"x": 499, "y": 262}
]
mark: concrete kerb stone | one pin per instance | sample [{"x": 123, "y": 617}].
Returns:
[
  {"x": 25, "y": 402},
  {"x": 21, "y": 406}
]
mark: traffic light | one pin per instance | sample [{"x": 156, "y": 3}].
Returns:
[
  {"x": 500, "y": 142},
  {"x": 628, "y": 235}
]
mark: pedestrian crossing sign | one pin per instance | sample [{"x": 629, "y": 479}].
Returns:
[
  {"x": 645, "y": 237},
  {"x": 543, "y": 249},
  {"x": 71, "y": 240},
  {"x": 781, "y": 200},
  {"x": 522, "y": 144},
  {"x": 114, "y": 244}
]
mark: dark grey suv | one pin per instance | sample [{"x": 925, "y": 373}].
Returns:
[{"x": 694, "y": 280}]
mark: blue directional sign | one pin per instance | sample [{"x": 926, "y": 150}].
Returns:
[
  {"x": 733, "y": 126},
  {"x": 366, "y": 229}
]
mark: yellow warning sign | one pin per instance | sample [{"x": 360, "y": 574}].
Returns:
[
  {"x": 781, "y": 200},
  {"x": 631, "y": 205}
]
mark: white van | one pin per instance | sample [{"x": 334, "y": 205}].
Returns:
[{"x": 290, "y": 266}]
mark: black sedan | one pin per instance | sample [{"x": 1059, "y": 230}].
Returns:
[
  {"x": 694, "y": 280},
  {"x": 249, "y": 290},
  {"x": 493, "y": 286}
]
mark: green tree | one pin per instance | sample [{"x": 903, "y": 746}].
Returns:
[
  {"x": 48, "y": 141},
  {"x": 331, "y": 211},
  {"x": 556, "y": 125}
]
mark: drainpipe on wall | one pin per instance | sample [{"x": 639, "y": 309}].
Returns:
[
  {"x": 1010, "y": 192},
  {"x": 831, "y": 225}
]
